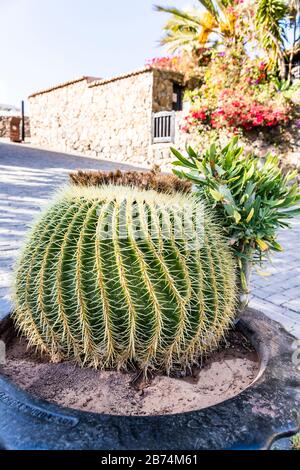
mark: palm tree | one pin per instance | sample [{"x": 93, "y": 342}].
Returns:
[
  {"x": 189, "y": 31},
  {"x": 272, "y": 20},
  {"x": 270, "y": 26},
  {"x": 216, "y": 21}
]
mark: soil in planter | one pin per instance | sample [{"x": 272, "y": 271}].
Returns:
[{"x": 223, "y": 375}]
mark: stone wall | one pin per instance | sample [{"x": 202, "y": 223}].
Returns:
[
  {"x": 110, "y": 120},
  {"x": 107, "y": 119},
  {"x": 163, "y": 89},
  {"x": 59, "y": 117},
  {"x": 121, "y": 111},
  {"x": 5, "y": 126}
]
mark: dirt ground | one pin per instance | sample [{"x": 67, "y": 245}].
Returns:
[{"x": 223, "y": 375}]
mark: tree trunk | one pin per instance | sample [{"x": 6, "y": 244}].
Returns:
[
  {"x": 282, "y": 68},
  {"x": 244, "y": 290},
  {"x": 289, "y": 76},
  {"x": 294, "y": 21}
]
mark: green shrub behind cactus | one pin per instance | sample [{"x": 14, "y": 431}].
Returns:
[{"x": 106, "y": 300}]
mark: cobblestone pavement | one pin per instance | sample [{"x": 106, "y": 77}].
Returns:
[
  {"x": 29, "y": 176},
  {"x": 278, "y": 293}
]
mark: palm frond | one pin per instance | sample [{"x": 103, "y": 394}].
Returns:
[
  {"x": 197, "y": 26},
  {"x": 209, "y": 6},
  {"x": 190, "y": 17},
  {"x": 269, "y": 23},
  {"x": 184, "y": 27}
]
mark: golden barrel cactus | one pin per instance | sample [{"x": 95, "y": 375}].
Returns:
[{"x": 117, "y": 276}]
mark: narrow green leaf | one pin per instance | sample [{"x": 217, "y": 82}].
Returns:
[
  {"x": 216, "y": 195},
  {"x": 262, "y": 244},
  {"x": 250, "y": 215},
  {"x": 182, "y": 159},
  {"x": 237, "y": 216}
]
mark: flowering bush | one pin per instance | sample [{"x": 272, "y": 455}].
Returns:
[
  {"x": 236, "y": 110},
  {"x": 185, "y": 64},
  {"x": 191, "y": 65},
  {"x": 237, "y": 94},
  {"x": 167, "y": 63},
  {"x": 244, "y": 111}
]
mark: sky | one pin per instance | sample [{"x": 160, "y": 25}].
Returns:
[{"x": 46, "y": 42}]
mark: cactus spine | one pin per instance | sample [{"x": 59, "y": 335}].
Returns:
[{"x": 107, "y": 277}]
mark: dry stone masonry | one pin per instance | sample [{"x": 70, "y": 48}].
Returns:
[
  {"x": 108, "y": 119},
  {"x": 5, "y": 126}
]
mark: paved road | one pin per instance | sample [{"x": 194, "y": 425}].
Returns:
[
  {"x": 278, "y": 294},
  {"x": 29, "y": 176}
]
